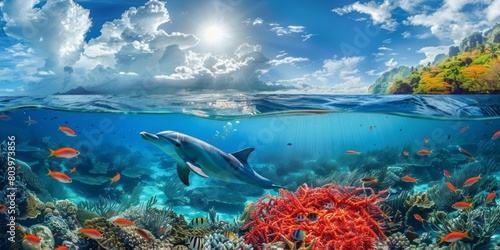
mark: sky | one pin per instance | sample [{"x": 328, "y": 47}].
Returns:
[{"x": 185, "y": 46}]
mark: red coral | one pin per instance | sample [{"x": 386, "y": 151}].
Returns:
[{"x": 352, "y": 223}]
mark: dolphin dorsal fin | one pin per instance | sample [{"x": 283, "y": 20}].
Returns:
[{"x": 243, "y": 154}]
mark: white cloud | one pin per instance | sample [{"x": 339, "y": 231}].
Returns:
[
  {"x": 391, "y": 64},
  {"x": 288, "y": 60},
  {"x": 333, "y": 68},
  {"x": 296, "y": 29},
  {"x": 387, "y": 41},
  {"x": 7, "y": 90},
  {"x": 55, "y": 31},
  {"x": 258, "y": 21},
  {"x": 371, "y": 72},
  {"x": 132, "y": 54},
  {"x": 378, "y": 54},
  {"x": 431, "y": 53},
  {"x": 280, "y": 30},
  {"x": 406, "y": 34},
  {"x": 281, "y": 54},
  {"x": 384, "y": 48},
  {"x": 380, "y": 14},
  {"x": 454, "y": 20},
  {"x": 306, "y": 37},
  {"x": 493, "y": 12}
]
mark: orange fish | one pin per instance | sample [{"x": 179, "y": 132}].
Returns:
[
  {"x": 462, "y": 205},
  {"x": 121, "y": 222},
  {"x": 491, "y": 196},
  {"x": 418, "y": 217},
  {"x": 424, "y": 152},
  {"x": 426, "y": 140},
  {"x": 447, "y": 174},
  {"x": 30, "y": 121},
  {"x": 405, "y": 153},
  {"x": 115, "y": 178},
  {"x": 463, "y": 129},
  {"x": 4, "y": 117},
  {"x": 73, "y": 169},
  {"x": 369, "y": 180},
  {"x": 496, "y": 135},
  {"x": 67, "y": 131},
  {"x": 451, "y": 187},
  {"x": 3, "y": 208},
  {"x": 408, "y": 178},
  {"x": 61, "y": 248},
  {"x": 64, "y": 153},
  {"x": 143, "y": 234},
  {"x": 32, "y": 238},
  {"x": 465, "y": 152},
  {"x": 469, "y": 182},
  {"x": 454, "y": 236},
  {"x": 91, "y": 233},
  {"x": 162, "y": 230},
  {"x": 352, "y": 152},
  {"x": 59, "y": 176}
]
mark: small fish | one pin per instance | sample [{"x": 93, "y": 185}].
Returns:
[
  {"x": 300, "y": 217},
  {"x": 449, "y": 136},
  {"x": 162, "y": 230},
  {"x": 465, "y": 152},
  {"x": 329, "y": 205},
  {"x": 369, "y": 180},
  {"x": 59, "y": 176},
  {"x": 371, "y": 128},
  {"x": 30, "y": 121},
  {"x": 230, "y": 235},
  {"x": 426, "y": 140},
  {"x": 463, "y": 129},
  {"x": 122, "y": 222},
  {"x": 115, "y": 178},
  {"x": 462, "y": 205},
  {"x": 289, "y": 144},
  {"x": 67, "y": 131},
  {"x": 469, "y": 182},
  {"x": 313, "y": 217},
  {"x": 496, "y": 135},
  {"x": 408, "y": 178},
  {"x": 352, "y": 152},
  {"x": 454, "y": 236},
  {"x": 198, "y": 222},
  {"x": 491, "y": 196},
  {"x": 67, "y": 153},
  {"x": 91, "y": 233},
  {"x": 3, "y": 208},
  {"x": 447, "y": 174},
  {"x": 488, "y": 122},
  {"x": 73, "y": 170},
  {"x": 299, "y": 234},
  {"x": 451, "y": 187},
  {"x": 405, "y": 153},
  {"x": 4, "y": 117},
  {"x": 32, "y": 238},
  {"x": 418, "y": 217},
  {"x": 195, "y": 243},
  {"x": 424, "y": 152},
  {"x": 143, "y": 233},
  {"x": 61, "y": 248}
]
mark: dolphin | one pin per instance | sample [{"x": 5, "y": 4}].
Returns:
[{"x": 192, "y": 154}]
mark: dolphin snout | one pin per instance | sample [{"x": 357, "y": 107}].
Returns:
[{"x": 148, "y": 136}]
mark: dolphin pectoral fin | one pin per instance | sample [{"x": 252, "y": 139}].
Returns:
[
  {"x": 243, "y": 154},
  {"x": 195, "y": 168},
  {"x": 183, "y": 174}
]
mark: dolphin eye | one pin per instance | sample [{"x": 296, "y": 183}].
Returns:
[{"x": 177, "y": 144}]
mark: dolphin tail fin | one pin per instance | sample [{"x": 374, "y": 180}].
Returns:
[{"x": 183, "y": 174}]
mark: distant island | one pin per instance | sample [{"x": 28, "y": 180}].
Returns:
[{"x": 471, "y": 68}]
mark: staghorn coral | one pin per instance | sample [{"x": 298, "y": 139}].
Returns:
[{"x": 352, "y": 223}]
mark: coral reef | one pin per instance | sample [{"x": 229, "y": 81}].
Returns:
[
  {"x": 103, "y": 206},
  {"x": 220, "y": 242},
  {"x": 175, "y": 191},
  {"x": 349, "y": 217},
  {"x": 60, "y": 228},
  {"x": 45, "y": 234},
  {"x": 31, "y": 208}
]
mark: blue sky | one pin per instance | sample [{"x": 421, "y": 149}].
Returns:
[{"x": 142, "y": 47}]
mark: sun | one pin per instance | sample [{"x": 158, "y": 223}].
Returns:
[{"x": 215, "y": 35}]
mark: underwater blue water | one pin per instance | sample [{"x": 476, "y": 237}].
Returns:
[{"x": 290, "y": 133}]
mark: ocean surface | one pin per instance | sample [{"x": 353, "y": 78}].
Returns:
[{"x": 297, "y": 139}]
